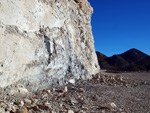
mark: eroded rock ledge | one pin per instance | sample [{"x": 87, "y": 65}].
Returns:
[{"x": 46, "y": 41}]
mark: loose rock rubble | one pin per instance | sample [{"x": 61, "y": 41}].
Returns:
[
  {"x": 102, "y": 94},
  {"x": 114, "y": 80}
]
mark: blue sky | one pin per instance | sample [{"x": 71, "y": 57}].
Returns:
[{"x": 119, "y": 25}]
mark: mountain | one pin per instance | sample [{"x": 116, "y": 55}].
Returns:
[
  {"x": 100, "y": 56},
  {"x": 131, "y": 60},
  {"x": 116, "y": 60},
  {"x": 101, "y": 60},
  {"x": 145, "y": 62},
  {"x": 133, "y": 55}
]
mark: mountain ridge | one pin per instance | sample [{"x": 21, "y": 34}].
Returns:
[{"x": 131, "y": 60}]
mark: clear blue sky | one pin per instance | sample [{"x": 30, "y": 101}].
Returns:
[{"x": 119, "y": 25}]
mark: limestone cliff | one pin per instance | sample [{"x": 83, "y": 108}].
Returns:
[{"x": 45, "y": 41}]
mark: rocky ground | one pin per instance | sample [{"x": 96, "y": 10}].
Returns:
[{"x": 105, "y": 93}]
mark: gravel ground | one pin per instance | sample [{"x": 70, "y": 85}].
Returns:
[{"x": 105, "y": 93}]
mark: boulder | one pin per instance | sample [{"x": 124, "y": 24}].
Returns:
[{"x": 45, "y": 42}]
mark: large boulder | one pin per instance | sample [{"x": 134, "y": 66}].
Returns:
[{"x": 45, "y": 41}]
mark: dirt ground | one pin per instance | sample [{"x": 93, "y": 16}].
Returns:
[{"x": 105, "y": 93}]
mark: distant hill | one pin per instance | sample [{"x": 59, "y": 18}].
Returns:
[
  {"x": 133, "y": 55},
  {"x": 131, "y": 60},
  {"x": 101, "y": 57},
  {"x": 101, "y": 60}
]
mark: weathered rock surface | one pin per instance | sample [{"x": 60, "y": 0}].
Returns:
[{"x": 45, "y": 41}]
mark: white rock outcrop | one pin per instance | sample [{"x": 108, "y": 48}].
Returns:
[{"x": 45, "y": 41}]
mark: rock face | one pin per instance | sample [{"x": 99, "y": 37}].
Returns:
[{"x": 45, "y": 41}]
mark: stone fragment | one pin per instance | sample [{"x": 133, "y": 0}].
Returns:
[
  {"x": 65, "y": 89},
  {"x": 22, "y": 89},
  {"x": 35, "y": 108},
  {"x": 47, "y": 104},
  {"x": 34, "y": 101},
  {"x": 49, "y": 91},
  {"x": 72, "y": 81},
  {"x": 43, "y": 107},
  {"x": 27, "y": 101},
  {"x": 111, "y": 105},
  {"x": 21, "y": 103},
  {"x": 73, "y": 101},
  {"x": 70, "y": 111},
  {"x": 52, "y": 111},
  {"x": 53, "y": 89},
  {"x": 81, "y": 111},
  {"x": 80, "y": 90}
]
